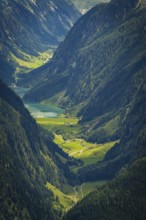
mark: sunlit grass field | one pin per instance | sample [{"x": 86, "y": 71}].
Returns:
[
  {"x": 57, "y": 121},
  {"x": 88, "y": 153},
  {"x": 85, "y": 188},
  {"x": 65, "y": 198},
  {"x": 31, "y": 62},
  {"x": 67, "y": 127},
  {"x": 65, "y": 201}
]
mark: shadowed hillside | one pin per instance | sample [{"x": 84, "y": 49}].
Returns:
[
  {"x": 28, "y": 161},
  {"x": 30, "y": 31},
  {"x": 101, "y": 79}
]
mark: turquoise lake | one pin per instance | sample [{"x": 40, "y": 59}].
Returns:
[{"x": 39, "y": 110}]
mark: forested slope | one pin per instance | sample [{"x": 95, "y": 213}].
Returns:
[
  {"x": 27, "y": 162},
  {"x": 98, "y": 73},
  {"x": 123, "y": 198},
  {"x": 29, "y": 28}
]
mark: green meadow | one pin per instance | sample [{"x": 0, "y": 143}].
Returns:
[
  {"x": 89, "y": 153},
  {"x": 30, "y": 62},
  {"x": 61, "y": 199},
  {"x": 66, "y": 131},
  {"x": 57, "y": 121},
  {"x": 68, "y": 196},
  {"x": 67, "y": 127}
]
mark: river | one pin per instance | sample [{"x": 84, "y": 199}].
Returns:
[{"x": 38, "y": 110}]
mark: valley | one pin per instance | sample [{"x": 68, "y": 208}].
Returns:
[
  {"x": 38, "y": 110},
  {"x": 67, "y": 135},
  {"x": 30, "y": 33},
  {"x": 25, "y": 63},
  {"x": 69, "y": 195},
  {"x": 72, "y": 110}
]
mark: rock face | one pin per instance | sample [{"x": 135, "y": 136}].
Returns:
[
  {"x": 31, "y": 27},
  {"x": 85, "y": 5}
]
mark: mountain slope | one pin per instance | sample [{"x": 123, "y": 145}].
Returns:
[
  {"x": 27, "y": 162},
  {"x": 123, "y": 198},
  {"x": 84, "y": 38},
  {"x": 29, "y": 28},
  {"x": 86, "y": 4},
  {"x": 99, "y": 73}
]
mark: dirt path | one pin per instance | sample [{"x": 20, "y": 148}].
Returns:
[
  {"x": 82, "y": 190},
  {"x": 73, "y": 153},
  {"x": 76, "y": 194},
  {"x": 78, "y": 152}
]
